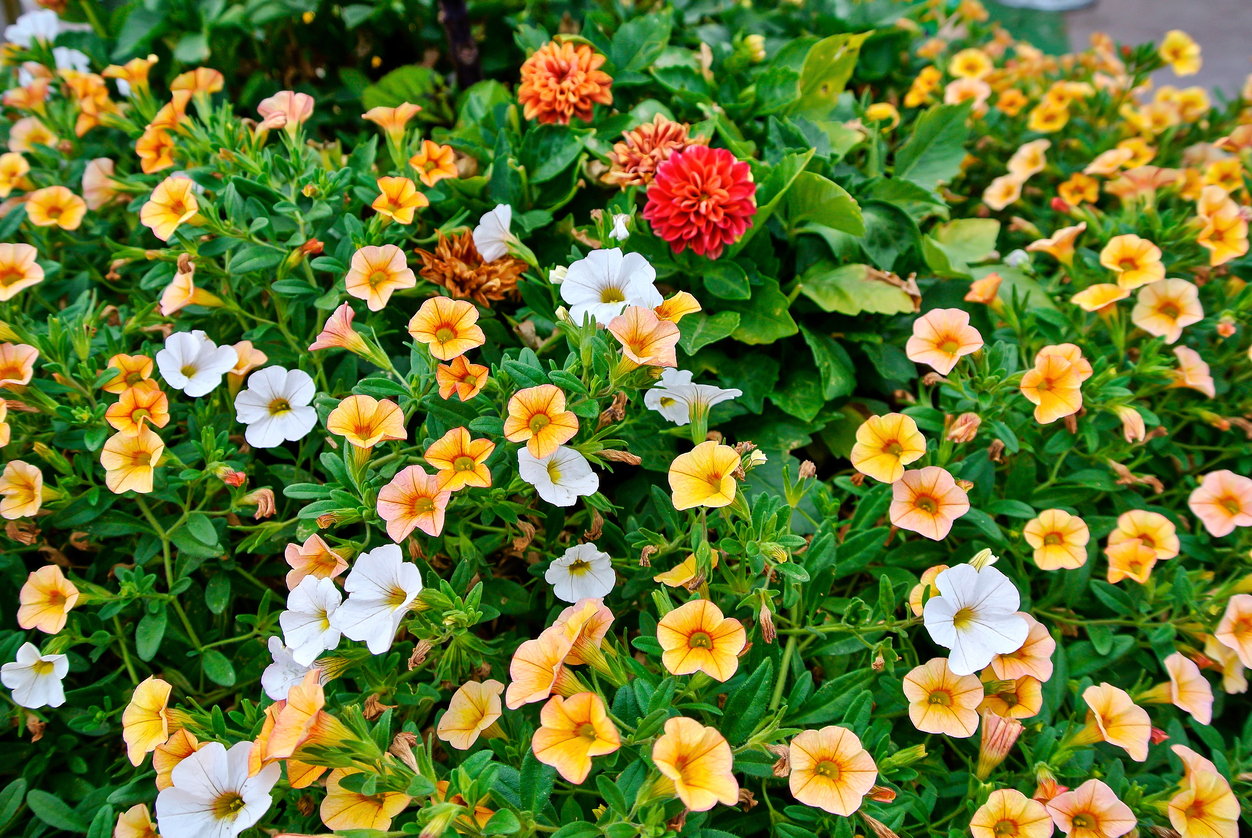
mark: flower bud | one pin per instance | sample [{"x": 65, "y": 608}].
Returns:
[
  {"x": 768, "y": 631},
  {"x": 903, "y": 757},
  {"x": 998, "y": 737},
  {"x": 984, "y": 558},
  {"x": 263, "y": 500},
  {"x": 964, "y": 428}
]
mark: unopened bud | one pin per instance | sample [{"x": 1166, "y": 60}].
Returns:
[
  {"x": 903, "y": 757},
  {"x": 964, "y": 428},
  {"x": 998, "y": 737},
  {"x": 984, "y": 558},
  {"x": 768, "y": 631},
  {"x": 930, "y": 379},
  {"x": 621, "y": 457},
  {"x": 808, "y": 469},
  {"x": 966, "y": 485}
]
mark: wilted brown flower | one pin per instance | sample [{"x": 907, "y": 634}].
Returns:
[
  {"x": 648, "y": 146},
  {"x": 456, "y": 266}
]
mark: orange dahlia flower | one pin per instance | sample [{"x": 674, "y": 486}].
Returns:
[{"x": 561, "y": 81}]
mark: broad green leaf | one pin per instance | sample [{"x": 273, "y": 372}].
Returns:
[
  {"x": 411, "y": 83},
  {"x": 699, "y": 330},
  {"x": 748, "y": 704},
  {"x": 935, "y": 151},
  {"x": 149, "y": 634},
  {"x": 813, "y": 199},
  {"x": 826, "y": 71},
  {"x": 889, "y": 232},
  {"x": 217, "y": 593},
  {"x": 218, "y": 668},
  {"x": 838, "y": 373},
  {"x": 638, "y": 42},
  {"x": 548, "y": 150},
  {"x": 727, "y": 280},
  {"x": 852, "y": 289},
  {"x": 764, "y": 318},
  {"x": 967, "y": 240},
  {"x": 769, "y": 195},
  {"x": 11, "y": 800},
  {"x": 55, "y": 812},
  {"x": 201, "y": 529},
  {"x": 801, "y": 394}
]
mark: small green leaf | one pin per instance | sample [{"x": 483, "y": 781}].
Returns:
[
  {"x": 699, "y": 330},
  {"x": 815, "y": 200},
  {"x": 55, "y": 812},
  {"x": 218, "y": 668},
  {"x": 217, "y": 593},
  {"x": 852, "y": 289},
  {"x": 825, "y": 74},
  {"x": 149, "y": 634},
  {"x": 727, "y": 280},
  {"x": 201, "y": 529}
]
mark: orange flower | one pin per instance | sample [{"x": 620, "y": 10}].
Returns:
[
  {"x": 1061, "y": 245},
  {"x": 1187, "y": 689},
  {"x": 169, "y": 117},
  {"x": 1116, "y": 719},
  {"x": 1033, "y": 659},
  {"x": 143, "y": 403},
  {"x": 46, "y": 600},
  {"x": 449, "y": 327},
  {"x": 646, "y": 339},
  {"x": 1206, "y": 807},
  {"x": 924, "y": 589},
  {"x": 585, "y": 623},
  {"x": 313, "y": 558},
  {"x": 146, "y": 721},
  {"x": 695, "y": 637},
  {"x": 21, "y": 490},
  {"x": 337, "y": 333},
  {"x": 1091, "y": 811},
  {"x": 460, "y": 460},
  {"x": 1053, "y": 387},
  {"x": 18, "y": 269},
  {"x": 927, "y": 501},
  {"x": 1058, "y": 539},
  {"x": 1016, "y": 699},
  {"x": 1167, "y": 307},
  {"x": 1071, "y": 353},
  {"x": 1225, "y": 236},
  {"x": 172, "y": 202},
  {"x": 17, "y": 365},
  {"x": 342, "y": 809},
  {"x": 1180, "y": 52},
  {"x": 1136, "y": 261},
  {"x": 133, "y": 72},
  {"x": 55, "y": 206},
  {"x": 13, "y": 171},
  {"x": 1099, "y": 297},
  {"x": 472, "y": 712},
  {"x": 680, "y": 574},
  {"x": 461, "y": 377},
  {"x": 155, "y": 149},
  {"x": 399, "y": 199},
  {"x": 377, "y": 272},
  {"x": 29, "y": 132},
  {"x": 698, "y": 760},
  {"x": 200, "y": 80},
  {"x": 704, "y": 476},
  {"x": 1010, "y": 814},
  {"x": 1153, "y": 529},
  {"x": 1235, "y": 629},
  {"x": 941, "y": 337},
  {"x": 1079, "y": 189},
  {"x": 393, "y": 121},
  {"x": 1010, "y": 102},
  {"x": 135, "y": 822},
  {"x": 1140, "y": 152},
  {"x": 538, "y": 670},
  {"x": 537, "y": 416},
  {"x": 985, "y": 290},
  {"x": 414, "y": 500},
  {"x": 248, "y": 358},
  {"x": 131, "y": 369},
  {"x": 1192, "y": 373},
  {"x": 831, "y": 770},
  {"x": 571, "y": 732},
  {"x": 365, "y": 421},
  {"x": 434, "y": 162},
  {"x": 301, "y": 722},
  {"x": 1222, "y": 501},
  {"x": 634, "y": 160},
  {"x": 942, "y": 702},
  {"x": 130, "y": 459},
  {"x": 561, "y": 81},
  {"x": 885, "y": 445},
  {"x": 166, "y": 756}
]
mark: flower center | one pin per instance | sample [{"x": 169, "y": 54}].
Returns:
[
  {"x": 55, "y": 211},
  {"x": 189, "y": 371},
  {"x": 579, "y": 568},
  {"x": 396, "y": 597},
  {"x": 963, "y": 619},
  {"x": 178, "y": 207},
  {"x": 949, "y": 346},
  {"x": 423, "y": 505},
  {"x": 1147, "y": 541},
  {"x": 667, "y": 401},
  {"x": 1169, "y": 310},
  {"x": 1006, "y": 827},
  {"x": 42, "y": 667},
  {"x": 444, "y": 334},
  {"x": 376, "y": 279},
  {"x": 11, "y": 276},
  {"x": 700, "y": 640},
  {"x": 1230, "y": 504},
  {"x": 1084, "y": 820},
  {"x": 926, "y": 504},
  {"x": 463, "y": 463},
  {"x": 829, "y": 769},
  {"x": 538, "y": 422},
  {"x": 587, "y": 731},
  {"x": 1128, "y": 264},
  {"x": 893, "y": 448},
  {"x": 554, "y": 471},
  {"x": 1052, "y": 539},
  {"x": 227, "y": 805},
  {"x": 612, "y": 295},
  {"x": 942, "y": 698},
  {"x": 279, "y": 407}
]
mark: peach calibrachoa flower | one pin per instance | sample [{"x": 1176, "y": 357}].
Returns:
[
  {"x": 393, "y": 121},
  {"x": 460, "y": 460},
  {"x": 985, "y": 290},
  {"x": 704, "y": 476},
  {"x": 166, "y": 756},
  {"x": 139, "y": 405},
  {"x": 1235, "y": 629},
  {"x": 1206, "y": 807},
  {"x": 1029, "y": 159},
  {"x": 1135, "y": 260},
  {"x": 538, "y": 670},
  {"x": 1053, "y": 386},
  {"x": 1002, "y": 191},
  {"x": 461, "y": 377},
  {"x": 130, "y": 459},
  {"x": 1225, "y": 235},
  {"x": 133, "y": 73},
  {"x": 1227, "y": 661},
  {"x": 473, "y": 711},
  {"x": 927, "y": 501},
  {"x": 537, "y": 416},
  {"x": 1115, "y": 718},
  {"x": 1091, "y": 811},
  {"x": 585, "y": 623},
  {"x": 1180, "y": 52},
  {"x": 1133, "y": 427},
  {"x": 1078, "y": 190},
  {"x": 1187, "y": 689},
  {"x": 131, "y": 369},
  {"x": 885, "y": 445},
  {"x": 830, "y": 770},
  {"x": 971, "y": 64},
  {"x": 433, "y": 162},
  {"x": 365, "y": 421},
  {"x": 941, "y": 337},
  {"x": 941, "y": 701},
  {"x": 695, "y": 637},
  {"x": 1061, "y": 245},
  {"x": 1222, "y": 501},
  {"x": 1070, "y": 352},
  {"x": 135, "y": 822},
  {"x": 561, "y": 81},
  {"x": 21, "y": 490},
  {"x": 1059, "y": 540},
  {"x": 449, "y": 327},
  {"x": 155, "y": 149},
  {"x": 29, "y": 132},
  {"x": 6, "y": 430},
  {"x": 46, "y": 600},
  {"x": 635, "y": 159},
  {"x": 342, "y": 809},
  {"x": 413, "y": 500},
  {"x": 1140, "y": 152},
  {"x": 18, "y": 269},
  {"x": 17, "y": 365},
  {"x": 204, "y": 80},
  {"x": 1020, "y": 698},
  {"x": 1010, "y": 102},
  {"x": 1099, "y": 296},
  {"x": 147, "y": 721},
  {"x": 313, "y": 558},
  {"x": 1153, "y": 529},
  {"x": 1032, "y": 659},
  {"x": 172, "y": 202},
  {"x": 571, "y": 732},
  {"x": 1010, "y": 814},
  {"x": 376, "y": 273},
  {"x": 698, "y": 761},
  {"x": 55, "y": 206},
  {"x": 925, "y": 588},
  {"x": 398, "y": 199},
  {"x": 13, "y": 171},
  {"x": 1192, "y": 373},
  {"x": 702, "y": 198},
  {"x": 286, "y": 109},
  {"x": 1165, "y": 308},
  {"x": 182, "y": 292},
  {"x": 976, "y": 91},
  {"x": 337, "y": 333},
  {"x": 646, "y": 339}
]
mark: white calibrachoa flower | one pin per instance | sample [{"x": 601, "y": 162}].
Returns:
[
  {"x": 275, "y": 407},
  {"x": 212, "y": 795},
  {"x": 381, "y": 586},
  {"x": 561, "y": 478},
  {"x": 619, "y": 231},
  {"x": 68, "y": 58},
  {"x": 584, "y": 571},
  {"x": 975, "y": 615},
  {"x": 36, "y": 679},
  {"x": 284, "y": 673},
  {"x": 307, "y": 622},
  {"x": 605, "y": 282},
  {"x": 40, "y": 25},
  {"x": 194, "y": 364},
  {"x": 679, "y": 400},
  {"x": 492, "y": 236}
]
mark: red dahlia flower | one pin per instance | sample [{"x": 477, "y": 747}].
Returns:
[{"x": 702, "y": 198}]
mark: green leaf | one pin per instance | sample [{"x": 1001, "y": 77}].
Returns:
[
  {"x": 258, "y": 257},
  {"x": 773, "y": 188},
  {"x": 764, "y": 318},
  {"x": 749, "y": 703},
  {"x": 637, "y": 43},
  {"x": 549, "y": 150},
  {"x": 217, "y": 593},
  {"x": 827, "y": 68},
  {"x": 699, "y": 330},
  {"x": 801, "y": 395},
  {"x": 503, "y": 822},
  {"x": 852, "y": 289},
  {"x": 218, "y": 668},
  {"x": 192, "y": 48},
  {"x": 11, "y": 800},
  {"x": 201, "y": 529},
  {"x": 951, "y": 247},
  {"x": 727, "y": 280},
  {"x": 149, "y": 634},
  {"x": 55, "y": 812},
  {"x": 935, "y": 151},
  {"x": 889, "y": 232},
  {"x": 815, "y": 200},
  {"x": 411, "y": 84},
  {"x": 102, "y": 823},
  {"x": 838, "y": 373},
  {"x": 613, "y": 797}
]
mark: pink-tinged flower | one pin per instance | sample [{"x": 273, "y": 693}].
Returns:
[
  {"x": 646, "y": 339},
  {"x": 1091, "y": 811},
  {"x": 339, "y": 334},
  {"x": 1193, "y": 372},
  {"x": 285, "y": 109},
  {"x": 926, "y": 501},
  {"x": 1222, "y": 501},
  {"x": 941, "y": 337},
  {"x": 1053, "y": 386},
  {"x": 313, "y": 558},
  {"x": 413, "y": 500},
  {"x": 702, "y": 198},
  {"x": 1187, "y": 689},
  {"x": 1152, "y": 529},
  {"x": 1033, "y": 659},
  {"x": 1167, "y": 307},
  {"x": 1235, "y": 629}
]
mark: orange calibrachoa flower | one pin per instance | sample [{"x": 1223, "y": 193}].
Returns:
[
  {"x": 1130, "y": 559},
  {"x": 646, "y": 339},
  {"x": 1222, "y": 501},
  {"x": 342, "y": 809},
  {"x": 1206, "y": 807},
  {"x": 698, "y": 761},
  {"x": 338, "y": 333},
  {"x": 449, "y": 327},
  {"x": 13, "y": 171},
  {"x": 985, "y": 290},
  {"x": 561, "y": 81},
  {"x": 365, "y": 421},
  {"x": 927, "y": 501},
  {"x": 885, "y": 445},
  {"x": 46, "y": 600},
  {"x": 1091, "y": 811},
  {"x": 1033, "y": 659},
  {"x": 398, "y": 199},
  {"x": 585, "y": 623},
  {"x": 1234, "y": 631},
  {"x": 155, "y": 149},
  {"x": 143, "y": 403},
  {"x": 376, "y": 273},
  {"x": 571, "y": 732},
  {"x": 460, "y": 460},
  {"x": 941, "y": 337},
  {"x": 17, "y": 365},
  {"x": 131, "y": 369},
  {"x": 538, "y": 670},
  {"x": 433, "y": 162},
  {"x": 147, "y": 720},
  {"x": 1079, "y": 189},
  {"x": 941, "y": 701},
  {"x": 925, "y": 588},
  {"x": 695, "y": 637},
  {"x": 18, "y": 269},
  {"x": 166, "y": 756},
  {"x": 413, "y": 500},
  {"x": 172, "y": 202},
  {"x": 1010, "y": 102},
  {"x": 1135, "y": 260},
  {"x": 130, "y": 459},
  {"x": 704, "y": 476},
  {"x": 537, "y": 416},
  {"x": 1010, "y": 814},
  {"x": 1180, "y": 52},
  {"x": 393, "y": 121},
  {"x": 134, "y": 73},
  {"x": 135, "y": 822},
  {"x": 1192, "y": 373},
  {"x": 1053, "y": 386},
  {"x": 1061, "y": 245},
  {"x": 473, "y": 711},
  {"x": 461, "y": 377},
  {"x": 1115, "y": 718},
  {"x": 1099, "y": 297},
  {"x": 830, "y": 770},
  {"x": 202, "y": 80},
  {"x": 1059, "y": 540},
  {"x": 21, "y": 490},
  {"x": 313, "y": 558},
  {"x": 1153, "y": 529},
  {"x": 1187, "y": 689},
  {"x": 1225, "y": 236},
  {"x": 1021, "y": 698},
  {"x": 1167, "y": 307},
  {"x": 55, "y": 206}
]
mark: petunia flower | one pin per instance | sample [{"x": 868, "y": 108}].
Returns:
[
  {"x": 582, "y": 572},
  {"x": 413, "y": 500},
  {"x": 35, "y": 679},
  {"x": 698, "y": 761},
  {"x": 473, "y": 711},
  {"x": 537, "y": 416},
  {"x": 941, "y": 701},
  {"x": 448, "y": 327},
  {"x": 830, "y": 770},
  {"x": 941, "y": 337},
  {"x": 460, "y": 460},
  {"x": 695, "y": 637},
  {"x": 1091, "y": 811},
  {"x": 343, "y": 809},
  {"x": 286, "y": 109},
  {"x": 1193, "y": 372},
  {"x": 560, "y": 478},
  {"x": 213, "y": 795},
  {"x": 675, "y": 397},
  {"x": 927, "y": 501},
  {"x": 1034, "y": 657},
  {"x": 172, "y": 203},
  {"x": 307, "y": 623},
  {"x": 192, "y": 363},
  {"x": 975, "y": 615},
  {"x": 461, "y": 377},
  {"x": 276, "y": 407},
  {"x": 605, "y": 282},
  {"x": 143, "y": 404},
  {"x": 147, "y": 720},
  {"x": 55, "y": 206},
  {"x": 1059, "y": 540},
  {"x": 313, "y": 558},
  {"x": 381, "y": 588},
  {"x": 572, "y": 731},
  {"x": 1222, "y": 501},
  {"x": 45, "y": 600},
  {"x": 885, "y": 445},
  {"x": 492, "y": 237},
  {"x": 376, "y": 273},
  {"x": 18, "y": 269}
]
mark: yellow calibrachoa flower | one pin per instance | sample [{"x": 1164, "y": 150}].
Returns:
[
  {"x": 677, "y": 307},
  {"x": 682, "y": 573},
  {"x": 1167, "y": 307},
  {"x": 698, "y": 761},
  {"x": 146, "y": 721},
  {"x": 1180, "y": 52},
  {"x": 137, "y": 406},
  {"x": 1130, "y": 560},
  {"x": 696, "y": 637},
  {"x": 1079, "y": 189},
  {"x": 1225, "y": 236},
  {"x": 537, "y": 417},
  {"x": 1053, "y": 386},
  {"x": 1029, "y": 159},
  {"x": 831, "y": 770},
  {"x": 135, "y": 822},
  {"x": 130, "y": 459},
  {"x": 1059, "y": 540},
  {"x": 572, "y": 731},
  {"x": 1010, "y": 814},
  {"x": 885, "y": 445},
  {"x": 1115, "y": 718},
  {"x": 1047, "y": 117},
  {"x": 13, "y": 171},
  {"x": 134, "y": 73},
  {"x": 21, "y": 490},
  {"x": 376, "y": 273},
  {"x": 155, "y": 150},
  {"x": 971, "y": 64},
  {"x": 17, "y": 365},
  {"x": 434, "y": 162},
  {"x": 398, "y": 199},
  {"x": 1206, "y": 807},
  {"x": 704, "y": 476},
  {"x": 1141, "y": 153},
  {"x": 473, "y": 711},
  {"x": 131, "y": 369},
  {"x": 1099, "y": 297},
  {"x": 1020, "y": 698},
  {"x": 1226, "y": 174},
  {"x": 165, "y": 758},
  {"x": 342, "y": 809},
  {"x": 1091, "y": 811},
  {"x": 1061, "y": 245},
  {"x": 1152, "y": 529},
  {"x": 538, "y": 669},
  {"x": 449, "y": 327},
  {"x": 1135, "y": 260},
  {"x": 393, "y": 121},
  {"x": 18, "y": 269},
  {"x": 941, "y": 701},
  {"x": 55, "y": 206},
  {"x": 461, "y": 377},
  {"x": 172, "y": 202},
  {"x": 461, "y": 460},
  {"x": 365, "y": 421},
  {"x": 46, "y": 600}
]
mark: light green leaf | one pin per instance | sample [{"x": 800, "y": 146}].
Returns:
[
  {"x": 149, "y": 634},
  {"x": 192, "y": 48},
  {"x": 851, "y": 289},
  {"x": 935, "y": 151},
  {"x": 699, "y": 330},
  {"x": 816, "y": 200},
  {"x": 55, "y": 812},
  {"x": 764, "y": 318},
  {"x": 410, "y": 83},
  {"x": 951, "y": 247},
  {"x": 827, "y": 68}
]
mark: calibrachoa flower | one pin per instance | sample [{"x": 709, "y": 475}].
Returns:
[
  {"x": 17, "y": 365},
  {"x": 1193, "y": 372},
  {"x": 376, "y": 273},
  {"x": 1131, "y": 559},
  {"x": 343, "y": 809},
  {"x": 46, "y": 600},
  {"x": 1033, "y": 659},
  {"x": 1059, "y": 540},
  {"x": 695, "y": 637},
  {"x": 1235, "y": 629},
  {"x": 537, "y": 417},
  {"x": 307, "y": 622},
  {"x": 561, "y": 81},
  {"x": 646, "y": 339},
  {"x": 192, "y": 363},
  {"x": 1206, "y": 807},
  {"x": 704, "y": 476},
  {"x": 1010, "y": 814},
  {"x": 213, "y": 793},
  {"x": 472, "y": 712},
  {"x": 55, "y": 206},
  {"x": 830, "y": 770},
  {"x": 585, "y": 624},
  {"x": 1053, "y": 385},
  {"x": 135, "y": 822},
  {"x": 941, "y": 337},
  {"x": 975, "y": 615},
  {"x": 1099, "y": 297},
  {"x": 941, "y": 701},
  {"x": 1091, "y": 811},
  {"x": 130, "y": 460},
  {"x": 571, "y": 732},
  {"x": 433, "y": 162},
  {"x": 381, "y": 588},
  {"x": 492, "y": 236},
  {"x": 605, "y": 282},
  {"x": 146, "y": 721},
  {"x": 413, "y": 500},
  {"x": 1115, "y": 718},
  {"x": 313, "y": 558},
  {"x": 283, "y": 673},
  {"x": 885, "y": 445},
  {"x": 698, "y": 761},
  {"x": 35, "y": 679},
  {"x": 1020, "y": 698},
  {"x": 927, "y": 501},
  {"x": 172, "y": 203},
  {"x": 393, "y": 121},
  {"x": 1167, "y": 307},
  {"x": 365, "y": 421},
  {"x": 582, "y": 572},
  {"x": 1222, "y": 501},
  {"x": 448, "y": 327},
  {"x": 275, "y": 407},
  {"x": 286, "y": 109},
  {"x": 680, "y": 401},
  {"x": 398, "y": 199},
  {"x": 702, "y": 198},
  {"x": 21, "y": 490},
  {"x": 1187, "y": 689},
  {"x": 1152, "y": 529},
  {"x": 560, "y": 478},
  {"x": 18, "y": 269},
  {"x": 461, "y": 377},
  {"x": 1180, "y": 52},
  {"x": 1136, "y": 261},
  {"x": 460, "y": 460},
  {"x": 538, "y": 670}
]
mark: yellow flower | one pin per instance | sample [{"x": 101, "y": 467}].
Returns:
[
  {"x": 155, "y": 149},
  {"x": 1029, "y": 159},
  {"x": 1019, "y": 698},
  {"x": 971, "y": 64},
  {"x": 146, "y": 721},
  {"x": 941, "y": 701},
  {"x": 1180, "y": 52},
  {"x": 133, "y": 72},
  {"x": 365, "y": 421},
  {"x": 434, "y": 162},
  {"x": 704, "y": 476},
  {"x": 1205, "y": 808},
  {"x": 1225, "y": 174},
  {"x": 883, "y": 112},
  {"x": 1165, "y": 308},
  {"x": 1058, "y": 539},
  {"x": 1002, "y": 191},
  {"x": 885, "y": 445},
  {"x": 1152, "y": 529},
  {"x": 398, "y": 199},
  {"x": 831, "y": 770},
  {"x": 1130, "y": 560},
  {"x": 21, "y": 490},
  {"x": 461, "y": 377},
  {"x": 1225, "y": 236},
  {"x": 135, "y": 822},
  {"x": 1010, "y": 814},
  {"x": 572, "y": 731},
  {"x": 18, "y": 269},
  {"x": 1053, "y": 386},
  {"x": 472, "y": 712},
  {"x": 1034, "y": 658},
  {"x": 449, "y": 327},
  {"x": 1116, "y": 719},
  {"x": 202, "y": 80},
  {"x": 393, "y": 121},
  {"x": 46, "y": 600},
  {"x": 1099, "y": 297},
  {"x": 1061, "y": 245},
  {"x": 1135, "y": 260},
  {"x": 181, "y": 744},
  {"x": 698, "y": 761},
  {"x": 13, "y": 171},
  {"x": 377, "y": 272},
  {"x": 130, "y": 459},
  {"x": 461, "y": 461},
  {"x": 1109, "y": 162},
  {"x": 17, "y": 365},
  {"x": 682, "y": 573},
  {"x": 1141, "y": 153},
  {"x": 677, "y": 307},
  {"x": 695, "y": 637},
  {"x": 139, "y": 405},
  {"x": 537, "y": 416},
  {"x": 1079, "y": 189},
  {"x": 538, "y": 669},
  {"x": 1047, "y": 118},
  {"x": 172, "y": 202},
  {"x": 342, "y": 809},
  {"x": 55, "y": 206},
  {"x": 131, "y": 369}
]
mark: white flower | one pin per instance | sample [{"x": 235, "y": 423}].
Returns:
[
  {"x": 194, "y": 364},
  {"x": 284, "y": 673},
  {"x": 1016, "y": 258},
  {"x": 619, "y": 230},
  {"x": 678, "y": 400},
  {"x": 605, "y": 282},
  {"x": 561, "y": 478},
  {"x": 557, "y": 275},
  {"x": 34, "y": 678},
  {"x": 212, "y": 795},
  {"x": 40, "y": 25},
  {"x": 381, "y": 586},
  {"x": 975, "y": 615},
  {"x": 492, "y": 236},
  {"x": 123, "y": 88},
  {"x": 307, "y": 627},
  {"x": 275, "y": 407},
  {"x": 584, "y": 571},
  {"x": 71, "y": 59}
]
